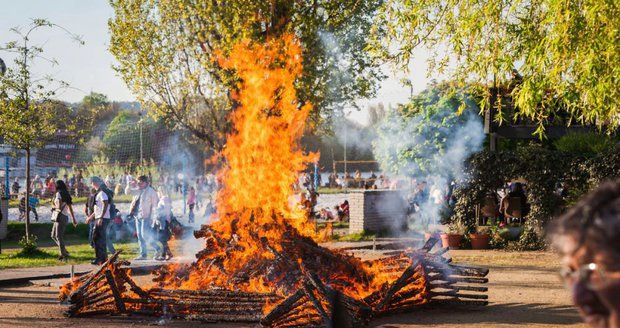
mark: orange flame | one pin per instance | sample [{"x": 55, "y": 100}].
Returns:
[
  {"x": 263, "y": 156},
  {"x": 262, "y": 160}
]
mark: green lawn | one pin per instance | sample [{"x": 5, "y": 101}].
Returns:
[
  {"x": 76, "y": 239},
  {"x": 76, "y": 200},
  {"x": 47, "y": 256}
]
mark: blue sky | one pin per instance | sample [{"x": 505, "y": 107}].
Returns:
[{"x": 89, "y": 67}]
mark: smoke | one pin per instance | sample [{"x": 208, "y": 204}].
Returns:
[
  {"x": 339, "y": 79},
  {"x": 425, "y": 145},
  {"x": 177, "y": 157},
  {"x": 180, "y": 163}
]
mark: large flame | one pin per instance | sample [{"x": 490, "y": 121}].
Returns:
[
  {"x": 261, "y": 241},
  {"x": 263, "y": 156}
]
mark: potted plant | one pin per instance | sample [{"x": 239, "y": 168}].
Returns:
[
  {"x": 480, "y": 238},
  {"x": 454, "y": 236}
]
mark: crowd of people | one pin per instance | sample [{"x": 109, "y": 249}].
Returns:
[{"x": 150, "y": 217}]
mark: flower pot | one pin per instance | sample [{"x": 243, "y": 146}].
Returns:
[
  {"x": 479, "y": 240},
  {"x": 451, "y": 240}
]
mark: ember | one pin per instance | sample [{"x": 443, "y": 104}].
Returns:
[{"x": 260, "y": 262}]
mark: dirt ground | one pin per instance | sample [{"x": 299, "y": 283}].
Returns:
[{"x": 524, "y": 291}]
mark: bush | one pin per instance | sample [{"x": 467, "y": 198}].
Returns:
[
  {"x": 584, "y": 144},
  {"x": 542, "y": 168},
  {"x": 28, "y": 245}
]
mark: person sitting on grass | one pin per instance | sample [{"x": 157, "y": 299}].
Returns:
[
  {"x": 343, "y": 212},
  {"x": 588, "y": 240},
  {"x": 326, "y": 215}
]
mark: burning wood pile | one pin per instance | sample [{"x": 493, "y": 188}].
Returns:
[
  {"x": 423, "y": 278},
  {"x": 260, "y": 262}
]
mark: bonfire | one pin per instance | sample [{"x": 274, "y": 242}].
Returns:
[{"x": 261, "y": 262}]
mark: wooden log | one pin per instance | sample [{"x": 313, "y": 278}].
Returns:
[
  {"x": 455, "y": 279},
  {"x": 456, "y": 302},
  {"x": 460, "y": 296},
  {"x": 397, "y": 285},
  {"x": 120, "y": 306},
  {"x": 429, "y": 244},
  {"x": 441, "y": 251},
  {"x": 293, "y": 318},
  {"x": 94, "y": 285},
  {"x": 309, "y": 291},
  {"x": 411, "y": 293},
  {"x": 215, "y": 305},
  {"x": 96, "y": 274},
  {"x": 211, "y": 292},
  {"x": 451, "y": 286},
  {"x": 459, "y": 270},
  {"x": 282, "y": 308},
  {"x": 132, "y": 285},
  {"x": 221, "y": 317}
]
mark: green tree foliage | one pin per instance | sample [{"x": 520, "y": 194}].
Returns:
[
  {"x": 584, "y": 144},
  {"x": 414, "y": 137},
  {"x": 566, "y": 51},
  {"x": 167, "y": 54},
  {"x": 122, "y": 137},
  {"x": 27, "y": 115}
]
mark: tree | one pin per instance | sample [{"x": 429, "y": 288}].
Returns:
[
  {"x": 27, "y": 117},
  {"x": 431, "y": 135},
  {"x": 167, "y": 53},
  {"x": 122, "y": 137},
  {"x": 566, "y": 52}
]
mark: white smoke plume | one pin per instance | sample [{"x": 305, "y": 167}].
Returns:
[{"x": 428, "y": 143}]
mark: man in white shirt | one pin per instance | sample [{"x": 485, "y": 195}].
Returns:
[
  {"x": 101, "y": 216},
  {"x": 143, "y": 206}
]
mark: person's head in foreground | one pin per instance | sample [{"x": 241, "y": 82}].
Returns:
[{"x": 588, "y": 239}]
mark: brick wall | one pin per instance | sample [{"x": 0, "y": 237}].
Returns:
[{"x": 375, "y": 210}]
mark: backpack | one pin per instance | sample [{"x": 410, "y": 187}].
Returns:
[{"x": 113, "y": 210}]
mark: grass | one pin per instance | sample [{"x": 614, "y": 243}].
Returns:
[
  {"x": 326, "y": 191},
  {"x": 47, "y": 256},
  {"x": 76, "y": 200},
  {"x": 360, "y": 236},
  {"x": 16, "y": 230}
]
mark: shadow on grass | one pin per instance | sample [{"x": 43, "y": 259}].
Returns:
[{"x": 32, "y": 254}]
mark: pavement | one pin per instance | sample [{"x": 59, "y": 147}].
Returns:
[{"x": 11, "y": 277}]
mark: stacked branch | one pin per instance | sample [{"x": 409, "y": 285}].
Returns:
[{"x": 315, "y": 286}]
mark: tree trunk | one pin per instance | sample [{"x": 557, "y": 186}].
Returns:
[{"x": 28, "y": 194}]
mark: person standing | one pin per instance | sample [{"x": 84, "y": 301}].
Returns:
[
  {"x": 162, "y": 225},
  {"x": 15, "y": 187},
  {"x": 101, "y": 217},
  {"x": 63, "y": 206},
  {"x": 89, "y": 209},
  {"x": 191, "y": 203},
  {"x": 144, "y": 204}
]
